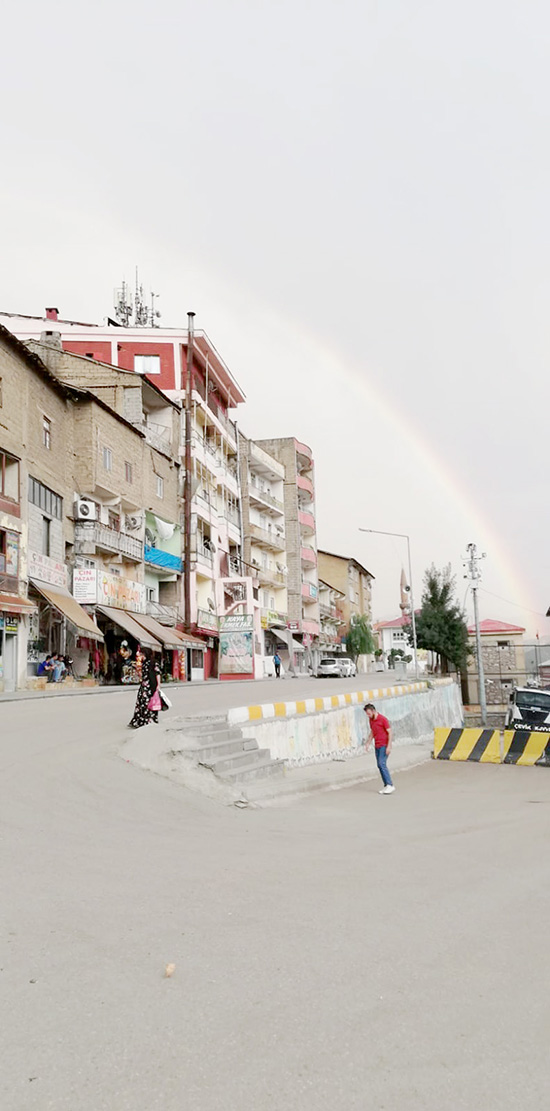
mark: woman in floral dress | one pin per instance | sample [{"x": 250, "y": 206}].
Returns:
[{"x": 148, "y": 688}]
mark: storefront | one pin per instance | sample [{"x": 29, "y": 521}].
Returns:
[
  {"x": 124, "y": 638},
  {"x": 14, "y": 617},
  {"x": 59, "y": 626},
  {"x": 183, "y": 655}
]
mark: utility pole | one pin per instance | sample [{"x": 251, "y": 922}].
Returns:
[
  {"x": 188, "y": 488},
  {"x": 473, "y": 573},
  {"x": 404, "y": 536}
]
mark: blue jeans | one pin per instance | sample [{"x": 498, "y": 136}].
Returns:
[{"x": 381, "y": 760}]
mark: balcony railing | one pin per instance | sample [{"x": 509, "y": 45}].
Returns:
[
  {"x": 308, "y": 555},
  {"x": 270, "y": 575},
  {"x": 256, "y": 491},
  {"x": 204, "y": 555},
  {"x": 90, "y": 535},
  {"x": 309, "y": 591},
  {"x": 269, "y": 537},
  {"x": 165, "y": 615},
  {"x": 158, "y": 436},
  {"x": 304, "y": 484},
  {"x": 307, "y": 521}
]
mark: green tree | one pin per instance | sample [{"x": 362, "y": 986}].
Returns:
[
  {"x": 359, "y": 638},
  {"x": 440, "y": 625}
]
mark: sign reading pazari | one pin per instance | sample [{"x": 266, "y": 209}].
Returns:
[{"x": 94, "y": 587}]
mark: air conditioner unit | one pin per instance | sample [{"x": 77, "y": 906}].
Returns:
[
  {"x": 133, "y": 523},
  {"x": 85, "y": 510}
]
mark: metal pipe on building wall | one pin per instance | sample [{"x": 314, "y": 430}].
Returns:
[{"x": 188, "y": 474}]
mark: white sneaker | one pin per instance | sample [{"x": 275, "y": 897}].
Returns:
[{"x": 387, "y": 790}]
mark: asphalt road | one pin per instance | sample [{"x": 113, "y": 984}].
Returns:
[
  {"x": 196, "y": 698},
  {"x": 348, "y": 951}
]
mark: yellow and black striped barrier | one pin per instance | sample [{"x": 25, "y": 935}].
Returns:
[
  {"x": 523, "y": 747},
  {"x": 479, "y": 745}
]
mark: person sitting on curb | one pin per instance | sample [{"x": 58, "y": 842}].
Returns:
[{"x": 381, "y": 732}]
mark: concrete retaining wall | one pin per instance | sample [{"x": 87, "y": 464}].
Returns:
[{"x": 320, "y": 730}]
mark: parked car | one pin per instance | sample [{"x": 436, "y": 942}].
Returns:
[
  {"x": 529, "y": 709},
  {"x": 347, "y": 667},
  {"x": 328, "y": 668}
]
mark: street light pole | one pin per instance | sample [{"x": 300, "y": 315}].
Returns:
[{"x": 403, "y": 536}]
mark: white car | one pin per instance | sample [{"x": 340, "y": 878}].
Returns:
[
  {"x": 347, "y": 667},
  {"x": 328, "y": 668}
]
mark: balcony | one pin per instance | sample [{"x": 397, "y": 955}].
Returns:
[
  {"x": 204, "y": 559},
  {"x": 308, "y": 556},
  {"x": 158, "y": 436},
  {"x": 270, "y": 576},
  {"x": 310, "y": 592},
  {"x": 163, "y": 560},
  {"x": 307, "y": 522},
  {"x": 263, "y": 497},
  {"x": 90, "y": 535},
  {"x": 268, "y": 538},
  {"x": 165, "y": 615},
  {"x": 304, "y": 484},
  {"x": 328, "y": 611}
]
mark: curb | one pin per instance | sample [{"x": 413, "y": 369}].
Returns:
[{"x": 269, "y": 710}]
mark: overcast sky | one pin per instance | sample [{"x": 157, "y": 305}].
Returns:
[{"x": 353, "y": 197}]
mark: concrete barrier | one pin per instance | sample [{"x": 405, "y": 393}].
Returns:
[
  {"x": 335, "y": 727},
  {"x": 481, "y": 746}
]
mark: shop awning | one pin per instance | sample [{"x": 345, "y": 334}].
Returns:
[
  {"x": 10, "y": 603},
  {"x": 296, "y": 646},
  {"x": 129, "y": 622},
  {"x": 64, "y": 602},
  {"x": 168, "y": 636}
]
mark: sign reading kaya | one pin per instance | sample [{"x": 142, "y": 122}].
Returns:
[
  {"x": 91, "y": 587},
  {"x": 236, "y": 645}
]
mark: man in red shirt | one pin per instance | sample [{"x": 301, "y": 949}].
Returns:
[{"x": 381, "y": 733}]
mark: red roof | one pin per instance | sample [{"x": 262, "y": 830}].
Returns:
[
  {"x": 489, "y": 625},
  {"x": 397, "y": 623}
]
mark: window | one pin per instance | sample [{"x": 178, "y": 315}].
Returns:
[
  {"x": 47, "y": 432},
  {"x": 9, "y": 556},
  {"x": 147, "y": 364},
  {"x": 107, "y": 459},
  {"x": 46, "y": 535},
  {"x": 503, "y": 644},
  {"x": 160, "y": 487},
  {"x": 45, "y": 499},
  {"x": 9, "y": 477},
  {"x": 114, "y": 520},
  {"x": 128, "y": 472},
  {"x": 197, "y": 658}
]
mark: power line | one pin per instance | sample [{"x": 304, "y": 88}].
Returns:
[{"x": 526, "y": 609}]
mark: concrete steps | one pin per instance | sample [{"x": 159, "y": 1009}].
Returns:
[{"x": 214, "y": 744}]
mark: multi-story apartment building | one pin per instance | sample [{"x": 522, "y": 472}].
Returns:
[
  {"x": 301, "y": 548},
  {"x": 127, "y": 563},
  {"x": 160, "y": 355},
  {"x": 331, "y": 615},
  {"x": 37, "y": 449},
  {"x": 353, "y": 581},
  {"x": 264, "y": 549}
]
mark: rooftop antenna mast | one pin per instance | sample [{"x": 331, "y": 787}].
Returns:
[
  {"x": 123, "y": 305},
  {"x": 141, "y": 312},
  {"x": 155, "y": 314}
]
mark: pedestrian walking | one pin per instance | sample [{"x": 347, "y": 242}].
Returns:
[
  {"x": 277, "y": 663},
  {"x": 148, "y": 701},
  {"x": 381, "y": 733}
]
